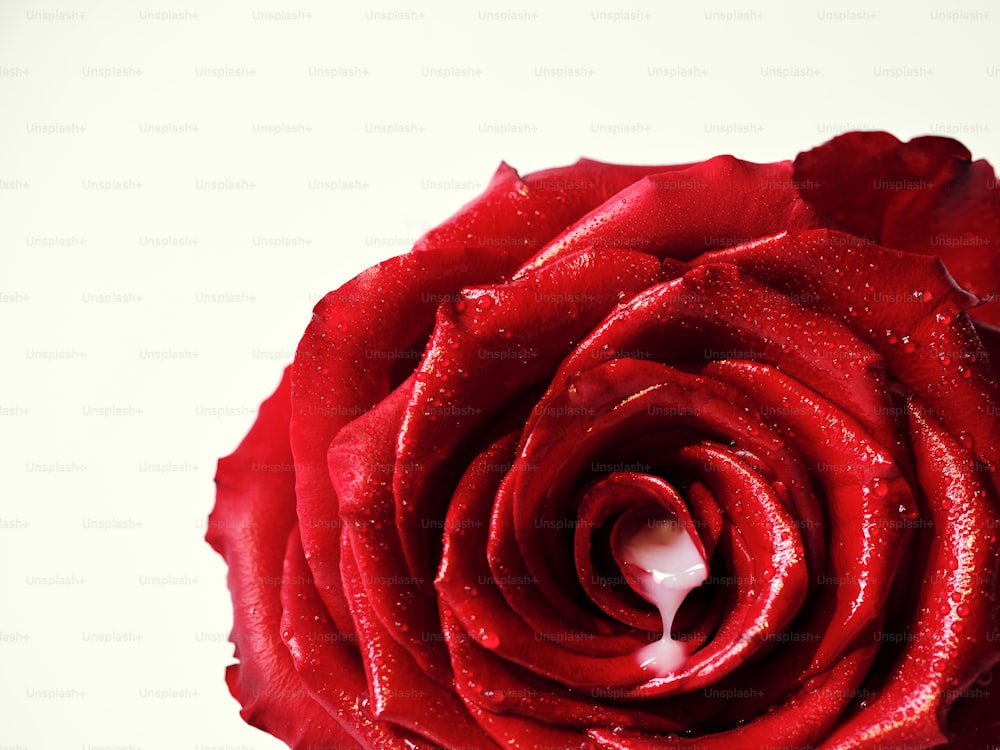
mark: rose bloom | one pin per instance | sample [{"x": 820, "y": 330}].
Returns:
[{"x": 753, "y": 405}]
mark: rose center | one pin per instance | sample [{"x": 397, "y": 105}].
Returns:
[{"x": 664, "y": 564}]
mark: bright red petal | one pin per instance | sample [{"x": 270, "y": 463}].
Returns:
[{"x": 253, "y": 516}]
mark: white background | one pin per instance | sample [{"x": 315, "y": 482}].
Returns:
[{"x": 338, "y": 135}]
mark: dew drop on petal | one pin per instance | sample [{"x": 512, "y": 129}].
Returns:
[{"x": 489, "y": 639}]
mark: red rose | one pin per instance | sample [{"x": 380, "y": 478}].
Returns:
[{"x": 597, "y": 388}]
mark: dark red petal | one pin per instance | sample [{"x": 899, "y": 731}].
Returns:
[
  {"x": 990, "y": 336},
  {"x": 925, "y": 196},
  {"x": 974, "y": 719},
  {"x": 249, "y": 526}
]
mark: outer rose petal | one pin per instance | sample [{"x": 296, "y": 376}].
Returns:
[
  {"x": 386, "y": 310},
  {"x": 715, "y": 204},
  {"x": 522, "y": 214},
  {"x": 925, "y": 196},
  {"x": 957, "y": 610},
  {"x": 328, "y": 660},
  {"x": 253, "y": 516}
]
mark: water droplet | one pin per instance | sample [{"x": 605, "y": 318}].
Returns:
[
  {"x": 963, "y": 610},
  {"x": 484, "y": 303},
  {"x": 923, "y": 295},
  {"x": 489, "y": 639}
]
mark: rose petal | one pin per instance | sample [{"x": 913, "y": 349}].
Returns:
[
  {"x": 990, "y": 336},
  {"x": 253, "y": 516},
  {"x": 703, "y": 315},
  {"x": 802, "y": 721},
  {"x": 945, "y": 652},
  {"x": 680, "y": 214},
  {"x": 868, "y": 502},
  {"x": 485, "y": 615},
  {"x": 362, "y": 465},
  {"x": 399, "y": 691},
  {"x": 558, "y": 446},
  {"x": 925, "y": 196},
  {"x": 911, "y": 312},
  {"x": 328, "y": 661},
  {"x": 483, "y": 678},
  {"x": 524, "y": 214},
  {"x": 495, "y": 342},
  {"x": 352, "y": 355}
]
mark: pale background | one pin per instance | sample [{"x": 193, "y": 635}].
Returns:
[{"x": 337, "y": 135}]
